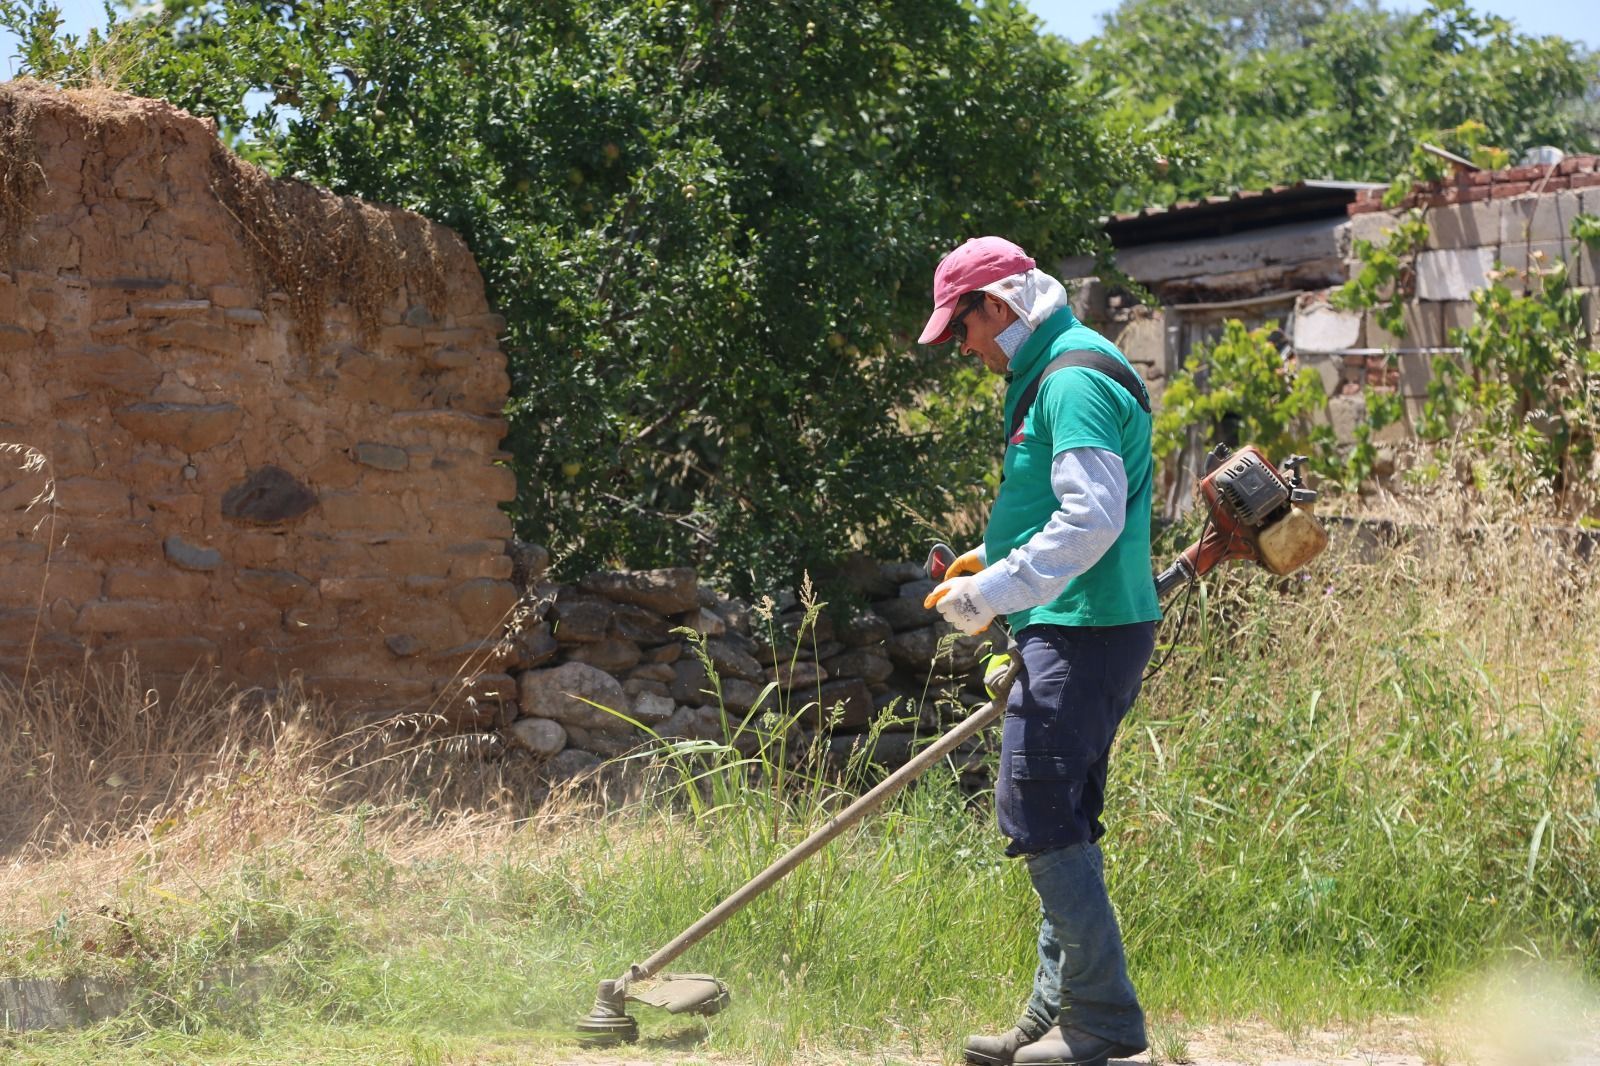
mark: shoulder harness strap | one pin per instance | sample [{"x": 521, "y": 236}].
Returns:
[{"x": 1111, "y": 367}]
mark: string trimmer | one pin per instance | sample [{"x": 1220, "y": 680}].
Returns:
[{"x": 1253, "y": 511}]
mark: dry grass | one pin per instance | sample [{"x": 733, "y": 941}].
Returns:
[
  {"x": 21, "y": 176},
  {"x": 320, "y": 249},
  {"x": 101, "y": 776},
  {"x": 1505, "y": 579}
]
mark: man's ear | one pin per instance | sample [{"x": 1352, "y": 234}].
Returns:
[{"x": 997, "y": 306}]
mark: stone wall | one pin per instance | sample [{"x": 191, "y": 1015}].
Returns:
[
  {"x": 270, "y": 416},
  {"x": 614, "y": 640}
]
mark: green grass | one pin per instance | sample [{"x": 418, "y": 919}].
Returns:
[{"x": 1341, "y": 798}]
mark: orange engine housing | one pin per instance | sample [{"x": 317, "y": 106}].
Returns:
[{"x": 1254, "y": 511}]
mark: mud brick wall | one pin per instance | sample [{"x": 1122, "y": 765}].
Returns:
[{"x": 270, "y": 416}]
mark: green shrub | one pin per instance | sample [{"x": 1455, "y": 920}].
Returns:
[
  {"x": 1525, "y": 394},
  {"x": 1240, "y": 390}
]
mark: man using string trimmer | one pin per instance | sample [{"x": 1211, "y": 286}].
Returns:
[
  {"x": 1066, "y": 559},
  {"x": 1069, "y": 541}
]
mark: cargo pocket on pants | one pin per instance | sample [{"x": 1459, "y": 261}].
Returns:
[{"x": 1040, "y": 798}]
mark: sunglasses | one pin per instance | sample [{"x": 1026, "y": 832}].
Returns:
[{"x": 958, "y": 328}]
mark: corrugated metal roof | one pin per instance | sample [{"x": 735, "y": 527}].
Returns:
[{"x": 1243, "y": 209}]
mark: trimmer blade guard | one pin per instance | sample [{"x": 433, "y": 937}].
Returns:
[{"x": 681, "y": 993}]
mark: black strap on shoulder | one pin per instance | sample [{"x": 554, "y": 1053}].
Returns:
[{"x": 1111, "y": 367}]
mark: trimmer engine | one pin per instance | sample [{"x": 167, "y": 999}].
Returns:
[{"x": 1255, "y": 512}]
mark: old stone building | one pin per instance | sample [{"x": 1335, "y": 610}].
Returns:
[
  {"x": 267, "y": 417},
  {"x": 1275, "y": 256}
]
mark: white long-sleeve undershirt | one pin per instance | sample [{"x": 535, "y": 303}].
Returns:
[{"x": 1093, "y": 489}]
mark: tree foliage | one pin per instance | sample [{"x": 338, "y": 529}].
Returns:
[
  {"x": 1239, "y": 390},
  {"x": 711, "y": 224},
  {"x": 1255, "y": 92},
  {"x": 1241, "y": 26},
  {"x": 1525, "y": 393}
]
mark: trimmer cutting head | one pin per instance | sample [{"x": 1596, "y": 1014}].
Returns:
[
  {"x": 677, "y": 993},
  {"x": 607, "y": 1021}
]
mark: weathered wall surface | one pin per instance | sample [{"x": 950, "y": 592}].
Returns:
[
  {"x": 271, "y": 416},
  {"x": 1300, "y": 255}
]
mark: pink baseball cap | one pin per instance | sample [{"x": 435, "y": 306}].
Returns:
[{"x": 979, "y": 262}]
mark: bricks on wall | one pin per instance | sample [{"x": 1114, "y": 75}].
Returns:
[
  {"x": 265, "y": 466},
  {"x": 1484, "y": 227}
]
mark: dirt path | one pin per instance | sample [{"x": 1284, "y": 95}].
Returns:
[{"x": 1385, "y": 1044}]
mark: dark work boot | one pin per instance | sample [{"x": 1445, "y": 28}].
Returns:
[
  {"x": 1065, "y": 1046},
  {"x": 983, "y": 1050}
]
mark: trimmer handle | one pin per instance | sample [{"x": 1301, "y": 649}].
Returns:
[
  {"x": 1178, "y": 574},
  {"x": 939, "y": 559}
]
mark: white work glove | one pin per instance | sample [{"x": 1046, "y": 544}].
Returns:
[{"x": 961, "y": 603}]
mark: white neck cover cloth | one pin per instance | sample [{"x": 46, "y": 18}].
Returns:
[
  {"x": 1034, "y": 296},
  {"x": 1012, "y": 338}
]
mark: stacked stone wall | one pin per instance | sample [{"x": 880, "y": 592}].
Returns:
[
  {"x": 271, "y": 418},
  {"x": 886, "y": 672}
]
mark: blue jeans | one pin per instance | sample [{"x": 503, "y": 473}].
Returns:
[
  {"x": 1075, "y": 686},
  {"x": 1082, "y": 980}
]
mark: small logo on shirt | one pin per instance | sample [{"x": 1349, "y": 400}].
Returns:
[{"x": 1016, "y": 438}]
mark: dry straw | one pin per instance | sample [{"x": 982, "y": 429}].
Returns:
[
  {"x": 20, "y": 172},
  {"x": 320, "y": 249},
  {"x": 102, "y": 775},
  {"x": 1503, "y": 574}
]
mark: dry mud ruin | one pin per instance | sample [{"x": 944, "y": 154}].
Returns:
[{"x": 269, "y": 416}]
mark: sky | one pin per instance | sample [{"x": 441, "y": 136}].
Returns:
[
  {"x": 1073, "y": 19},
  {"x": 1577, "y": 20}
]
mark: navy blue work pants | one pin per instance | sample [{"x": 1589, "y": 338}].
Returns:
[{"x": 1074, "y": 687}]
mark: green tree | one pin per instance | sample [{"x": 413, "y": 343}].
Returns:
[
  {"x": 1311, "y": 90},
  {"x": 711, "y": 225},
  {"x": 1239, "y": 390}
]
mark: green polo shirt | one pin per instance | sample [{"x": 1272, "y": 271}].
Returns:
[{"x": 1076, "y": 407}]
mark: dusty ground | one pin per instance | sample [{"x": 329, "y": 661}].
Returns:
[{"x": 1393, "y": 1043}]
